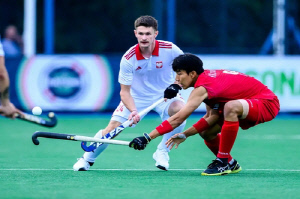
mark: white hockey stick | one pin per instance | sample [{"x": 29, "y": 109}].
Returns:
[
  {"x": 117, "y": 130},
  {"x": 73, "y": 138}
]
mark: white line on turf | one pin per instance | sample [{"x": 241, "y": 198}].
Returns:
[{"x": 287, "y": 170}]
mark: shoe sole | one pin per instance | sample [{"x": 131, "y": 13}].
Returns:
[
  {"x": 162, "y": 167},
  {"x": 237, "y": 170},
  {"x": 81, "y": 169},
  {"x": 216, "y": 174}
]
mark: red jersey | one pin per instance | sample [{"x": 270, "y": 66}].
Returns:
[{"x": 224, "y": 85}]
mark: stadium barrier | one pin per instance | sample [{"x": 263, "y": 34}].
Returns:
[{"x": 90, "y": 82}]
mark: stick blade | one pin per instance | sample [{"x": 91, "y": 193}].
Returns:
[{"x": 89, "y": 148}]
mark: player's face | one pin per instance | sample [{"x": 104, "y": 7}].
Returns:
[
  {"x": 145, "y": 36},
  {"x": 184, "y": 79}
]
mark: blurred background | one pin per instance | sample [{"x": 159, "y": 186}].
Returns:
[{"x": 68, "y": 52}]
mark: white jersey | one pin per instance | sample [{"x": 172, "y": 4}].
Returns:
[
  {"x": 1, "y": 48},
  {"x": 149, "y": 77}
]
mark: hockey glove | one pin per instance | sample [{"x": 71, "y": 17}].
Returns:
[
  {"x": 140, "y": 143},
  {"x": 172, "y": 91}
]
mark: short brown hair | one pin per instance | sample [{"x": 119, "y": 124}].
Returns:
[{"x": 147, "y": 21}]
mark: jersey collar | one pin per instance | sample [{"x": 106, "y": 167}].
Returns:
[{"x": 138, "y": 52}]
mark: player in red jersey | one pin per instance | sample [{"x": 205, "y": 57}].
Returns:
[{"x": 232, "y": 100}]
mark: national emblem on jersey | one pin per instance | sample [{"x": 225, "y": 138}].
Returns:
[{"x": 159, "y": 64}]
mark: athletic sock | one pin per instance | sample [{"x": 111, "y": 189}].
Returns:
[
  {"x": 91, "y": 156},
  {"x": 213, "y": 145},
  {"x": 228, "y": 135},
  {"x": 224, "y": 160}
]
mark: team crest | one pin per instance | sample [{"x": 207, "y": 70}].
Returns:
[{"x": 159, "y": 64}]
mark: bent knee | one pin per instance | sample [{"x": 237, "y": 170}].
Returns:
[
  {"x": 233, "y": 109},
  {"x": 175, "y": 107},
  {"x": 211, "y": 132}
]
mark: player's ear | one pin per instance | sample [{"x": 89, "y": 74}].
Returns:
[
  {"x": 156, "y": 33},
  {"x": 193, "y": 74},
  {"x": 135, "y": 32}
]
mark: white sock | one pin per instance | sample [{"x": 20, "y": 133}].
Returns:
[
  {"x": 91, "y": 156},
  {"x": 162, "y": 144}
]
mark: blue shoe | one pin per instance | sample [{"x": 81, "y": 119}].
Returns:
[
  {"x": 235, "y": 167},
  {"x": 217, "y": 168}
]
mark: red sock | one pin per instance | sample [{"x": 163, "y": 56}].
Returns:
[
  {"x": 213, "y": 145},
  {"x": 228, "y": 134}
]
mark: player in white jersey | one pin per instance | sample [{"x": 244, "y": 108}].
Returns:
[
  {"x": 7, "y": 109},
  {"x": 145, "y": 76}
]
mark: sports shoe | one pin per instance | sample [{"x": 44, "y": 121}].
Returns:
[
  {"x": 235, "y": 167},
  {"x": 81, "y": 165},
  {"x": 162, "y": 159},
  {"x": 216, "y": 168}
]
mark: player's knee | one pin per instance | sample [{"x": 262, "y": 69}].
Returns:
[
  {"x": 203, "y": 135},
  {"x": 175, "y": 107},
  {"x": 232, "y": 109},
  {"x": 206, "y": 135}
]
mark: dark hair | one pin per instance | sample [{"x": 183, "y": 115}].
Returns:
[
  {"x": 146, "y": 21},
  {"x": 188, "y": 62}
]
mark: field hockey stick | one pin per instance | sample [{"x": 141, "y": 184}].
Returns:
[
  {"x": 73, "y": 138},
  {"x": 117, "y": 130},
  {"x": 38, "y": 120}
]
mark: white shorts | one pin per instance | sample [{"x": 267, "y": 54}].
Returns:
[{"x": 121, "y": 113}]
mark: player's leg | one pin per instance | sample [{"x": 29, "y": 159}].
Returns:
[
  {"x": 232, "y": 111},
  {"x": 165, "y": 110},
  {"x": 120, "y": 115},
  {"x": 211, "y": 138},
  {"x": 88, "y": 158}
]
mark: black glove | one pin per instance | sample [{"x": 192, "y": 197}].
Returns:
[
  {"x": 172, "y": 91},
  {"x": 140, "y": 143}
]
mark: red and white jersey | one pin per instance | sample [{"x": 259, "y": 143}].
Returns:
[
  {"x": 149, "y": 77},
  {"x": 224, "y": 85}
]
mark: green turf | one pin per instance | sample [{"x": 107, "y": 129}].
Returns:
[{"x": 268, "y": 153}]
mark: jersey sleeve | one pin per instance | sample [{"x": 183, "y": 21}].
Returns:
[
  {"x": 126, "y": 72},
  {"x": 176, "y": 51}
]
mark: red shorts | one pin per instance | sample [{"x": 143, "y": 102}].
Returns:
[{"x": 260, "y": 111}]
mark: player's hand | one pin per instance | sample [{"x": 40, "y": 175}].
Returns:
[
  {"x": 140, "y": 143},
  {"x": 175, "y": 140},
  {"x": 172, "y": 91},
  {"x": 10, "y": 111},
  {"x": 134, "y": 116}
]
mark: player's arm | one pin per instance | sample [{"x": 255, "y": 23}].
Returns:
[
  {"x": 128, "y": 101},
  {"x": 4, "y": 83},
  {"x": 7, "y": 109},
  {"x": 209, "y": 119},
  {"x": 195, "y": 99},
  {"x": 125, "y": 79},
  {"x": 126, "y": 97}
]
